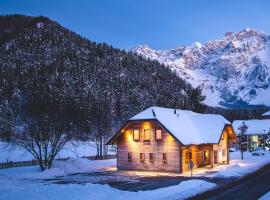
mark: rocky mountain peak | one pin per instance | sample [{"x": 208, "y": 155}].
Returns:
[{"x": 233, "y": 69}]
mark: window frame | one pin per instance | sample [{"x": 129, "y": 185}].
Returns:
[
  {"x": 160, "y": 134},
  {"x": 190, "y": 155},
  {"x": 144, "y": 139},
  {"x": 151, "y": 157},
  {"x": 164, "y": 157},
  {"x": 129, "y": 156},
  {"x": 142, "y": 157},
  {"x": 134, "y": 135}
]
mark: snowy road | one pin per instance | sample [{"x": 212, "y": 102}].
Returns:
[{"x": 250, "y": 187}]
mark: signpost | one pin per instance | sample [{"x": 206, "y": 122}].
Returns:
[{"x": 191, "y": 165}]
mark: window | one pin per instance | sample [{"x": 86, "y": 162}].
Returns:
[
  {"x": 129, "y": 156},
  {"x": 190, "y": 155},
  {"x": 158, "y": 135},
  {"x": 223, "y": 152},
  {"x": 147, "y": 134},
  {"x": 136, "y": 135},
  {"x": 142, "y": 157},
  {"x": 151, "y": 157},
  {"x": 164, "y": 157},
  {"x": 222, "y": 137}
]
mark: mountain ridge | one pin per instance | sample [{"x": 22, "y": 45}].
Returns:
[{"x": 232, "y": 70}]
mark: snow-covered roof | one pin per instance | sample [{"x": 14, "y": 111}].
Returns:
[
  {"x": 187, "y": 126},
  {"x": 266, "y": 113},
  {"x": 255, "y": 126}
]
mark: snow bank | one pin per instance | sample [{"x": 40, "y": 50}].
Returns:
[
  {"x": 239, "y": 168},
  {"x": 72, "y": 150},
  {"x": 60, "y": 168}
]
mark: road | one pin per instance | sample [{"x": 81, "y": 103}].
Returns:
[{"x": 250, "y": 187}]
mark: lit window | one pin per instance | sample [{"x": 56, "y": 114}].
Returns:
[
  {"x": 222, "y": 137},
  {"x": 151, "y": 157},
  {"x": 158, "y": 135},
  {"x": 190, "y": 155},
  {"x": 164, "y": 157},
  {"x": 129, "y": 156},
  {"x": 147, "y": 134},
  {"x": 142, "y": 157},
  {"x": 186, "y": 158},
  {"x": 136, "y": 134}
]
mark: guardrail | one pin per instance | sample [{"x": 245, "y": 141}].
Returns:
[{"x": 11, "y": 164}]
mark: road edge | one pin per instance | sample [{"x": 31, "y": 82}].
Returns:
[{"x": 210, "y": 193}]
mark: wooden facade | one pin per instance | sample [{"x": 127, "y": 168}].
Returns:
[
  {"x": 136, "y": 151},
  {"x": 165, "y": 152}
]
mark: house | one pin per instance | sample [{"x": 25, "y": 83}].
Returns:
[
  {"x": 257, "y": 134},
  {"x": 163, "y": 139},
  {"x": 266, "y": 115}
]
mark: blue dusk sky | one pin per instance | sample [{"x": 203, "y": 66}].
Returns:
[{"x": 159, "y": 24}]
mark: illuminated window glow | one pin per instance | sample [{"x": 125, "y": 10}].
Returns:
[
  {"x": 136, "y": 135},
  {"x": 147, "y": 135},
  {"x": 158, "y": 135}
]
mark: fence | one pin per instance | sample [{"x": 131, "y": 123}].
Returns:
[{"x": 11, "y": 164}]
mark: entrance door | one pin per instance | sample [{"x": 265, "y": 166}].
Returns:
[{"x": 215, "y": 157}]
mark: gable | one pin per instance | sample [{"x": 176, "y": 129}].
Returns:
[{"x": 140, "y": 124}]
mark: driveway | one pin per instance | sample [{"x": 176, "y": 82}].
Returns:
[{"x": 129, "y": 181}]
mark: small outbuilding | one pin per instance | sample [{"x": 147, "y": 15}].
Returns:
[{"x": 164, "y": 139}]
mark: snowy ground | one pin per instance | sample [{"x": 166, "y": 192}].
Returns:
[
  {"x": 237, "y": 167},
  {"x": 72, "y": 150},
  {"x": 30, "y": 183},
  {"x": 265, "y": 196}
]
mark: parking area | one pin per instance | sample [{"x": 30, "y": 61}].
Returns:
[{"x": 132, "y": 181}]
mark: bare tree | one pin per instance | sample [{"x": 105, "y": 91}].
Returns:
[
  {"x": 243, "y": 129},
  {"x": 43, "y": 135}
]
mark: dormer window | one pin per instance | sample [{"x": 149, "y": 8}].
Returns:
[
  {"x": 147, "y": 135},
  {"x": 136, "y": 134}
]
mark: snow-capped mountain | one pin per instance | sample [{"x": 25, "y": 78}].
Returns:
[{"x": 231, "y": 71}]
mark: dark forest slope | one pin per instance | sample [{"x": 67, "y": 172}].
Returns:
[{"x": 45, "y": 67}]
